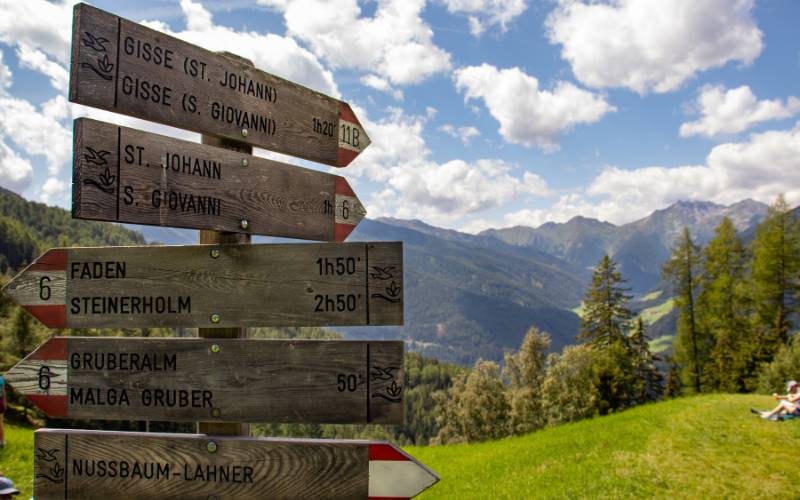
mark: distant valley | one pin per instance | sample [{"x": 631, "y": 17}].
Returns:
[{"x": 467, "y": 296}]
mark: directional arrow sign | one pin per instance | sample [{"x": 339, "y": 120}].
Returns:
[
  {"x": 124, "y": 67},
  {"x": 317, "y": 381},
  {"x": 125, "y": 175},
  {"x": 215, "y": 286},
  {"x": 122, "y": 465}
]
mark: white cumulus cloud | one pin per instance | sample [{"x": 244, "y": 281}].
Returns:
[
  {"x": 275, "y": 54},
  {"x": 527, "y": 114},
  {"x": 466, "y": 134},
  {"x": 396, "y": 43},
  {"x": 729, "y": 111},
  {"x": 652, "y": 45},
  {"x": 485, "y": 13},
  {"x": 760, "y": 168},
  {"x": 38, "y": 61},
  {"x": 416, "y": 187}
]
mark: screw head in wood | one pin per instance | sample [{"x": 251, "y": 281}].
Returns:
[
  {"x": 244, "y": 224},
  {"x": 245, "y": 133},
  {"x": 214, "y": 253},
  {"x": 215, "y": 347},
  {"x": 245, "y": 162},
  {"x": 215, "y": 412},
  {"x": 215, "y": 318},
  {"x": 211, "y": 446}
]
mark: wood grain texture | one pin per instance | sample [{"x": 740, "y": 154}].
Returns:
[
  {"x": 222, "y": 380},
  {"x": 101, "y": 465},
  {"x": 161, "y": 181},
  {"x": 127, "y": 68},
  {"x": 315, "y": 284},
  {"x": 216, "y": 238}
]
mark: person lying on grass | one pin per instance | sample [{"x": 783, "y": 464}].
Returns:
[{"x": 787, "y": 405}]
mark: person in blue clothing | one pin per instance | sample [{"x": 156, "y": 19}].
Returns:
[{"x": 787, "y": 405}]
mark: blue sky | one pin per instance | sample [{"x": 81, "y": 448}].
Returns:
[{"x": 483, "y": 113}]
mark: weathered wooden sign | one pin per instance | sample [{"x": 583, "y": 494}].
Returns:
[
  {"x": 126, "y": 175},
  {"x": 127, "y": 68},
  {"x": 218, "y": 380},
  {"x": 101, "y": 465},
  {"x": 215, "y": 285}
]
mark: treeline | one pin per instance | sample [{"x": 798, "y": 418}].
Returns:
[
  {"x": 28, "y": 229},
  {"x": 612, "y": 369},
  {"x": 738, "y": 305}
]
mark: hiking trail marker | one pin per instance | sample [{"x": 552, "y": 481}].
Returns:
[
  {"x": 222, "y": 380},
  {"x": 124, "y": 67},
  {"x": 126, "y": 465},
  {"x": 215, "y": 286},
  {"x": 125, "y": 175}
]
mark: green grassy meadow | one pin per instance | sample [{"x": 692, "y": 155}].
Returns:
[
  {"x": 16, "y": 458},
  {"x": 700, "y": 447}
]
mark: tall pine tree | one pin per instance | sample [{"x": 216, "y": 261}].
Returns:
[
  {"x": 691, "y": 346},
  {"x": 723, "y": 308},
  {"x": 606, "y": 317},
  {"x": 605, "y": 325},
  {"x": 774, "y": 278},
  {"x": 649, "y": 381}
]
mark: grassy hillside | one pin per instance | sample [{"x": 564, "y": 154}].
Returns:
[{"x": 702, "y": 447}]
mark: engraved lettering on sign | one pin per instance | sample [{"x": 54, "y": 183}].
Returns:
[
  {"x": 44, "y": 378},
  {"x": 146, "y": 91},
  {"x": 195, "y": 68},
  {"x": 186, "y": 202},
  {"x": 243, "y": 119},
  {"x": 148, "y": 52},
  {"x": 248, "y": 86},
  {"x": 53, "y": 473}
]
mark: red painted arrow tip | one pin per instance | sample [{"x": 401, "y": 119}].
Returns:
[
  {"x": 53, "y": 406},
  {"x": 52, "y": 260},
  {"x": 52, "y": 316}
]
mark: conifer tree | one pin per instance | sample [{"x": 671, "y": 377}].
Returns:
[
  {"x": 606, "y": 317},
  {"x": 774, "y": 278},
  {"x": 722, "y": 306},
  {"x": 648, "y": 378},
  {"x": 691, "y": 346},
  {"x": 605, "y": 326}
]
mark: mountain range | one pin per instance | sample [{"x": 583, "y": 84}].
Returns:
[{"x": 471, "y": 296}]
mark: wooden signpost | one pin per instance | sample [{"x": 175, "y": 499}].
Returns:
[
  {"x": 125, "y": 175},
  {"x": 223, "y": 380},
  {"x": 101, "y": 465},
  {"x": 220, "y": 380},
  {"x": 124, "y": 67},
  {"x": 214, "y": 286}
]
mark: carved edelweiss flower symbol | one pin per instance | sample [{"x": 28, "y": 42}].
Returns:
[
  {"x": 394, "y": 389},
  {"x": 105, "y": 65},
  {"x": 57, "y": 470},
  {"x": 107, "y": 179}
]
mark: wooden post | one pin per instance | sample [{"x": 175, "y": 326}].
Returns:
[{"x": 218, "y": 237}]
